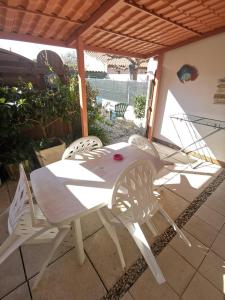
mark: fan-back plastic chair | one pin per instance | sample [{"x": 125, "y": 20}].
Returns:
[
  {"x": 83, "y": 144},
  {"x": 143, "y": 144},
  {"x": 86, "y": 144},
  {"x": 119, "y": 110},
  {"x": 27, "y": 225},
  {"x": 134, "y": 203}
]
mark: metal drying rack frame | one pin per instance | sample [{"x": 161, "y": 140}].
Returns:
[{"x": 189, "y": 120}]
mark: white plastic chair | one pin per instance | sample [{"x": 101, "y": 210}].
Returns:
[
  {"x": 83, "y": 144},
  {"x": 87, "y": 144},
  {"x": 143, "y": 144},
  {"x": 133, "y": 203},
  {"x": 26, "y": 224}
]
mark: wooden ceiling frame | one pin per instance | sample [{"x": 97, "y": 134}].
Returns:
[
  {"x": 152, "y": 13},
  {"x": 41, "y": 14},
  {"x": 65, "y": 19},
  {"x": 130, "y": 37},
  {"x": 186, "y": 42},
  {"x": 99, "y": 13},
  {"x": 123, "y": 44}
]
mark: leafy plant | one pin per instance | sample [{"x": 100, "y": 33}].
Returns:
[
  {"x": 139, "y": 106},
  {"x": 24, "y": 107},
  {"x": 98, "y": 131}
]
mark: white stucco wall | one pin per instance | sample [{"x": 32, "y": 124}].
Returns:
[{"x": 195, "y": 97}]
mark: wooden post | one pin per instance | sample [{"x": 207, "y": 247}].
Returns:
[
  {"x": 82, "y": 87},
  {"x": 155, "y": 96}
]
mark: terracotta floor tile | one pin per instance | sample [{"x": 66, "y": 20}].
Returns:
[
  {"x": 127, "y": 296},
  {"x": 21, "y": 293},
  {"x": 213, "y": 268},
  {"x": 146, "y": 288},
  {"x": 103, "y": 254},
  {"x": 65, "y": 279},
  {"x": 205, "y": 168},
  {"x": 176, "y": 270},
  {"x": 34, "y": 256},
  {"x": 188, "y": 185},
  {"x": 173, "y": 205},
  {"x": 201, "y": 231},
  {"x": 219, "y": 245},
  {"x": 211, "y": 217},
  {"x": 11, "y": 273},
  {"x": 222, "y": 185},
  {"x": 222, "y": 231},
  {"x": 163, "y": 176},
  {"x": 217, "y": 201},
  {"x": 201, "y": 288},
  {"x": 194, "y": 254},
  {"x": 90, "y": 224}
]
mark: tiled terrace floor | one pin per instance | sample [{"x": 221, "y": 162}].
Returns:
[{"x": 192, "y": 273}]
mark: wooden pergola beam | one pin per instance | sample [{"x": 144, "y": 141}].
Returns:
[
  {"x": 186, "y": 42},
  {"x": 112, "y": 51},
  {"x": 100, "y": 12},
  {"x": 82, "y": 87},
  {"x": 152, "y": 13},
  {"x": 37, "y": 13},
  {"x": 155, "y": 97}
]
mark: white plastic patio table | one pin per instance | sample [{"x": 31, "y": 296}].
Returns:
[{"x": 69, "y": 189}]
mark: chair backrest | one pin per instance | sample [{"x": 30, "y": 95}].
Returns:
[
  {"x": 143, "y": 143},
  {"x": 133, "y": 191},
  {"x": 120, "y": 109},
  {"x": 21, "y": 201},
  {"x": 83, "y": 144}
]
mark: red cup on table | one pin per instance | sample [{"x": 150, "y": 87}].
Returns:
[{"x": 118, "y": 156}]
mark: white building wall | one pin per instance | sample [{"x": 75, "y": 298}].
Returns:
[{"x": 195, "y": 97}]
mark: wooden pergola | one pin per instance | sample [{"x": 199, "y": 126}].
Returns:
[{"x": 134, "y": 28}]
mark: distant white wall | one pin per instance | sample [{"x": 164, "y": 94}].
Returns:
[{"x": 195, "y": 97}]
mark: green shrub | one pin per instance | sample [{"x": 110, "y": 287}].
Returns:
[
  {"x": 139, "y": 106},
  {"x": 24, "y": 107}
]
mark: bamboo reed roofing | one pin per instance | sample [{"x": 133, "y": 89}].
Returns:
[{"x": 136, "y": 28}]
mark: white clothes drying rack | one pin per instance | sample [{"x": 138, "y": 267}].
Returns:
[{"x": 197, "y": 140}]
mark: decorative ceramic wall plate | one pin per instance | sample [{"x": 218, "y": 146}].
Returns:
[{"x": 187, "y": 73}]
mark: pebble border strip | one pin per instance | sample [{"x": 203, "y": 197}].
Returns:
[{"x": 138, "y": 268}]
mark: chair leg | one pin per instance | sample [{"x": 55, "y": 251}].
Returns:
[
  {"x": 79, "y": 240},
  {"x": 152, "y": 227},
  {"x": 57, "y": 241},
  {"x": 11, "y": 244},
  {"x": 175, "y": 227},
  {"x": 112, "y": 233},
  {"x": 141, "y": 242}
]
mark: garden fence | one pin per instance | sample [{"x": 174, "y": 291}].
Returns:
[{"x": 118, "y": 91}]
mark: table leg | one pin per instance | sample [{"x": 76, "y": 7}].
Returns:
[{"x": 79, "y": 241}]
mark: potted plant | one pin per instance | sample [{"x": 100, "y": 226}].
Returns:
[{"x": 43, "y": 108}]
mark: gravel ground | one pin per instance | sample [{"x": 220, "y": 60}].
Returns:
[{"x": 120, "y": 130}]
